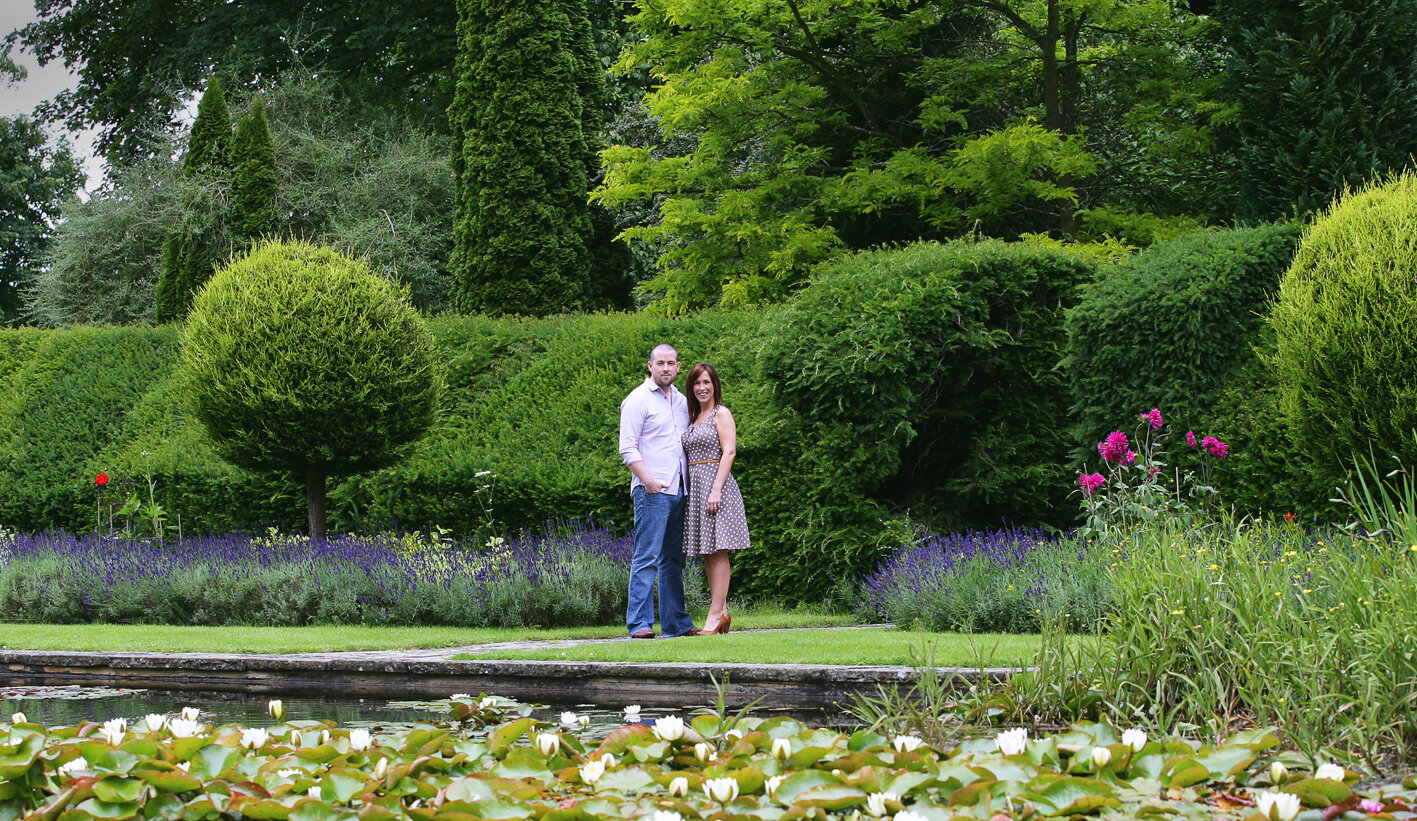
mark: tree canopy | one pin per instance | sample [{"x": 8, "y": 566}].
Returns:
[{"x": 36, "y": 177}]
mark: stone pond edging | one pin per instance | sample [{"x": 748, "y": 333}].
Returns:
[{"x": 430, "y": 674}]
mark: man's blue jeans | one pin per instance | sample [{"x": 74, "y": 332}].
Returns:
[{"x": 659, "y": 547}]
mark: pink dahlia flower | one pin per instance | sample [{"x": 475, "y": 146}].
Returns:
[
  {"x": 1114, "y": 447},
  {"x": 1217, "y": 448},
  {"x": 1091, "y": 482},
  {"x": 1153, "y": 418},
  {"x": 1190, "y": 438}
]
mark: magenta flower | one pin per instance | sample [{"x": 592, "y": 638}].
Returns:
[
  {"x": 1114, "y": 447},
  {"x": 1153, "y": 471},
  {"x": 1368, "y": 805},
  {"x": 1217, "y": 448},
  {"x": 1130, "y": 457},
  {"x": 1190, "y": 438},
  {"x": 1091, "y": 482},
  {"x": 1153, "y": 417}
]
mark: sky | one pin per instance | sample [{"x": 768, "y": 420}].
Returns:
[{"x": 40, "y": 85}]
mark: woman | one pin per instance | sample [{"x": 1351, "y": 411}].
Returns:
[{"x": 714, "y": 521}]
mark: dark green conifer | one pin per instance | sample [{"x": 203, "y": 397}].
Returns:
[
  {"x": 253, "y": 176},
  {"x": 1323, "y": 93},
  {"x": 188, "y": 261},
  {"x": 528, "y": 102}
]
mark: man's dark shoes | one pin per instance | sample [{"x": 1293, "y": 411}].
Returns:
[{"x": 642, "y": 634}]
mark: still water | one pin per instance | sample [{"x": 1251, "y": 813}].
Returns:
[{"x": 68, "y": 706}]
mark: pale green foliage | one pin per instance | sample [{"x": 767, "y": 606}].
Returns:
[
  {"x": 1346, "y": 357},
  {"x": 296, "y": 356}
]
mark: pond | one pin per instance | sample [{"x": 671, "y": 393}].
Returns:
[{"x": 71, "y": 705}]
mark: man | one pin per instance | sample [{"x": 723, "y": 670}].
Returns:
[{"x": 652, "y": 419}]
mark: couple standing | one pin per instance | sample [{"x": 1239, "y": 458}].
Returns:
[{"x": 680, "y": 452}]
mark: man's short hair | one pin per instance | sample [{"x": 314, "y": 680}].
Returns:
[{"x": 663, "y": 345}]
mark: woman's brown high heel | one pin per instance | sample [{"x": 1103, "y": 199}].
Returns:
[{"x": 719, "y": 630}]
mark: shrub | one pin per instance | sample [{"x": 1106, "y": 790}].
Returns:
[
  {"x": 1344, "y": 356},
  {"x": 297, "y": 359},
  {"x": 1175, "y": 327}
]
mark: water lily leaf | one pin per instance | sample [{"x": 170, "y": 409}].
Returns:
[
  {"x": 707, "y": 726},
  {"x": 829, "y": 796},
  {"x": 118, "y": 790},
  {"x": 1320, "y": 792},
  {"x": 524, "y": 763},
  {"x": 807, "y": 756},
  {"x": 162, "y": 807},
  {"x": 568, "y": 814},
  {"x": 1044, "y": 753},
  {"x": 626, "y": 780},
  {"x": 432, "y": 744},
  {"x": 467, "y": 789},
  {"x": 649, "y": 752},
  {"x": 1226, "y": 761},
  {"x": 1072, "y": 796},
  {"x": 19, "y": 758},
  {"x": 634, "y": 735},
  {"x": 500, "y": 810},
  {"x": 473, "y": 750},
  {"x": 969, "y": 795},
  {"x": 1260, "y": 738},
  {"x": 8, "y": 790},
  {"x": 865, "y": 740},
  {"x": 261, "y": 808},
  {"x": 213, "y": 759},
  {"x": 1149, "y": 765},
  {"x": 109, "y": 810},
  {"x": 799, "y": 782},
  {"x": 956, "y": 775},
  {"x": 342, "y": 785},
  {"x": 507, "y": 734},
  {"x": 1183, "y": 771},
  {"x": 374, "y": 812},
  {"x": 1009, "y": 769},
  {"x": 75, "y": 814},
  {"x": 905, "y": 782},
  {"x": 313, "y": 810},
  {"x": 183, "y": 749},
  {"x": 170, "y": 781}
]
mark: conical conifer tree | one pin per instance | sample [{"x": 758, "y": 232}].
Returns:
[
  {"x": 254, "y": 184},
  {"x": 188, "y": 260},
  {"x": 523, "y": 154}
]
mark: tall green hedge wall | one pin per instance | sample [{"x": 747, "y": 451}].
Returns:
[{"x": 904, "y": 387}]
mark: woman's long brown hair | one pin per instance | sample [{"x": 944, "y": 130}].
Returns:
[{"x": 694, "y": 374}]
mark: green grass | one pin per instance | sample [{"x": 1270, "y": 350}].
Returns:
[
  {"x": 863, "y": 646},
  {"x": 330, "y": 638}
]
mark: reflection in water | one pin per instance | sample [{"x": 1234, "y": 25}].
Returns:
[{"x": 69, "y": 706}]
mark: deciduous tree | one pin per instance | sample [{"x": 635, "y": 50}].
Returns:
[{"x": 36, "y": 177}]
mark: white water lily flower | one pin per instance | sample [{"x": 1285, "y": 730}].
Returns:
[
  {"x": 290, "y": 772},
  {"x": 569, "y": 719},
  {"x": 359, "y": 739},
  {"x": 666, "y": 815},
  {"x": 907, "y": 815},
  {"x": 18, "y": 718},
  {"x": 1278, "y": 773},
  {"x": 702, "y": 750},
  {"x": 721, "y": 790},
  {"x": 733, "y": 734},
  {"x": 876, "y": 803},
  {"x": 276, "y": 708},
  {"x": 184, "y": 766},
  {"x": 1012, "y": 742},
  {"x": 1134, "y": 738},
  {"x": 679, "y": 787},
  {"x": 592, "y": 770},
  {"x": 609, "y": 759},
  {"x": 324, "y": 737},
  {"x": 1100, "y": 757},
  {"x": 1331, "y": 771},
  {"x": 632, "y": 713},
  {"x": 1277, "y": 806},
  {"x": 906, "y": 743},
  {"x": 583, "y": 720},
  {"x": 548, "y": 743},
  {"x": 382, "y": 768},
  {"x": 253, "y": 738},
  {"x": 154, "y": 721},
  {"x": 487, "y": 703},
  {"x": 314, "y": 792},
  {"x": 669, "y": 728},
  {"x": 113, "y": 730},
  {"x": 781, "y": 748},
  {"x": 183, "y": 728},
  {"x": 770, "y": 786},
  {"x": 73, "y": 765},
  {"x": 456, "y": 696},
  {"x": 191, "y": 713}
]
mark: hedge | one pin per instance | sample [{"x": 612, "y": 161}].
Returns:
[{"x": 950, "y": 416}]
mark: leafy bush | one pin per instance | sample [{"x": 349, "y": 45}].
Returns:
[
  {"x": 1345, "y": 355},
  {"x": 1176, "y": 327},
  {"x": 297, "y": 359}
]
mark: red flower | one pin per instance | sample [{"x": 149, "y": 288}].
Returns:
[
  {"x": 101, "y": 479},
  {"x": 1289, "y": 517}
]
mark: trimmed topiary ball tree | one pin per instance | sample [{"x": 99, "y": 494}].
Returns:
[
  {"x": 298, "y": 359},
  {"x": 1346, "y": 354}
]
